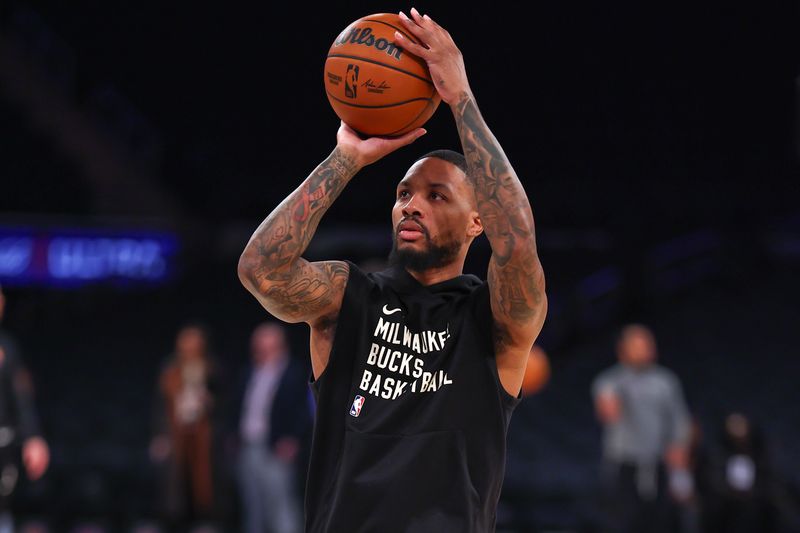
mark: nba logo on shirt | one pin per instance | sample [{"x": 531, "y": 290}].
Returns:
[{"x": 355, "y": 409}]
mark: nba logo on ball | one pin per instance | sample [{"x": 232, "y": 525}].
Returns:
[
  {"x": 351, "y": 81},
  {"x": 355, "y": 409}
]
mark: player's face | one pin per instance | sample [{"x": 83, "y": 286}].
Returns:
[{"x": 434, "y": 215}]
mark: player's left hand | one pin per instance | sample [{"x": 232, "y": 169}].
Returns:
[
  {"x": 439, "y": 51},
  {"x": 367, "y": 151}
]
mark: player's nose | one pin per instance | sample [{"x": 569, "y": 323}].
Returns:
[{"x": 411, "y": 207}]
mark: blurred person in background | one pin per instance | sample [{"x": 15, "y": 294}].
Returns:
[
  {"x": 741, "y": 481},
  {"x": 646, "y": 431},
  {"x": 274, "y": 421},
  {"x": 188, "y": 391},
  {"x": 21, "y": 441},
  {"x": 690, "y": 492}
]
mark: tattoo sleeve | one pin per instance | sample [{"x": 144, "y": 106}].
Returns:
[
  {"x": 271, "y": 266},
  {"x": 516, "y": 279}
]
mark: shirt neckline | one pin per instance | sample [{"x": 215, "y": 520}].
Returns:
[{"x": 403, "y": 281}]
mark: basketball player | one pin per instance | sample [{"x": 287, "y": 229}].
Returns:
[{"x": 416, "y": 369}]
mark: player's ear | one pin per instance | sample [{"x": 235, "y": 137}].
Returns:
[{"x": 475, "y": 226}]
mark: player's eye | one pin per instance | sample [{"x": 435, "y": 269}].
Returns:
[
  {"x": 402, "y": 194},
  {"x": 436, "y": 196}
]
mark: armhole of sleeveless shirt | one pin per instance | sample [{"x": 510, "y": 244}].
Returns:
[
  {"x": 482, "y": 312},
  {"x": 354, "y": 293}
]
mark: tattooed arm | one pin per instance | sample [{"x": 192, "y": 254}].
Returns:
[
  {"x": 271, "y": 267},
  {"x": 516, "y": 278}
]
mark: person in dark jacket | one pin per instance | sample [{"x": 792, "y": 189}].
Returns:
[
  {"x": 274, "y": 419},
  {"x": 21, "y": 441},
  {"x": 742, "y": 480}
]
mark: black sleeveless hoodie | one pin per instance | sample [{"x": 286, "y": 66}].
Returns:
[{"x": 411, "y": 417}]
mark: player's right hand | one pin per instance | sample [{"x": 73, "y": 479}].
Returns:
[{"x": 367, "y": 151}]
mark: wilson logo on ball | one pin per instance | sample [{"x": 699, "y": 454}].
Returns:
[
  {"x": 351, "y": 81},
  {"x": 364, "y": 36}
]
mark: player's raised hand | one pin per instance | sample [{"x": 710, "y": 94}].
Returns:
[
  {"x": 439, "y": 51},
  {"x": 371, "y": 149}
]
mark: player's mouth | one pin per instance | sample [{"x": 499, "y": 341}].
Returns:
[{"x": 410, "y": 231}]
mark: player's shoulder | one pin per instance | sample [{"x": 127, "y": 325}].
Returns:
[{"x": 352, "y": 271}]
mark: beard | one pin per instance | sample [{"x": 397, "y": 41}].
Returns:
[{"x": 434, "y": 256}]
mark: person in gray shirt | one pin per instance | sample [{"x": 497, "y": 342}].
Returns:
[{"x": 646, "y": 427}]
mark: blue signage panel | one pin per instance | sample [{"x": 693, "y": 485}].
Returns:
[{"x": 63, "y": 257}]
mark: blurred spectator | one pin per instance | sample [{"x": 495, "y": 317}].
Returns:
[
  {"x": 188, "y": 394},
  {"x": 741, "y": 481},
  {"x": 21, "y": 443},
  {"x": 690, "y": 491},
  {"x": 645, "y": 437},
  {"x": 274, "y": 419}
]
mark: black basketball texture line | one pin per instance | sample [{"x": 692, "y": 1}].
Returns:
[
  {"x": 424, "y": 110},
  {"x": 359, "y": 58},
  {"x": 350, "y": 104}
]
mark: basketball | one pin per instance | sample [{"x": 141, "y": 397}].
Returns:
[
  {"x": 374, "y": 86},
  {"x": 537, "y": 372}
]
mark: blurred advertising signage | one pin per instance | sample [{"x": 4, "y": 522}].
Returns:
[{"x": 64, "y": 257}]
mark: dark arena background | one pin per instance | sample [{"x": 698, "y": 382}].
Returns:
[{"x": 143, "y": 142}]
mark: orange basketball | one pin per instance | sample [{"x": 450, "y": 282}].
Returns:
[
  {"x": 374, "y": 86},
  {"x": 537, "y": 372}
]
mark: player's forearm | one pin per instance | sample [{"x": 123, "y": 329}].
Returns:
[
  {"x": 284, "y": 235},
  {"x": 502, "y": 203},
  {"x": 515, "y": 273}
]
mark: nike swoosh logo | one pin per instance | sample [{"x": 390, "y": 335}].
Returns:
[{"x": 387, "y": 311}]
